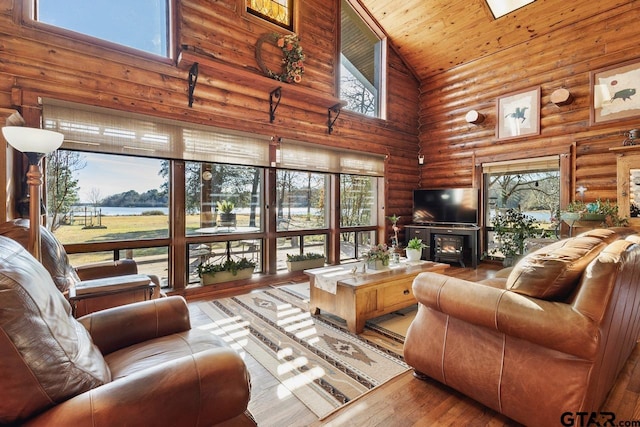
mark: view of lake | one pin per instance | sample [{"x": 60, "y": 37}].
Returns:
[
  {"x": 117, "y": 210},
  {"x": 125, "y": 211}
]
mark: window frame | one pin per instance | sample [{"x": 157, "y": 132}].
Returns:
[
  {"x": 264, "y": 18},
  {"x": 178, "y": 242},
  {"x": 382, "y": 69},
  {"x": 28, "y": 19}
]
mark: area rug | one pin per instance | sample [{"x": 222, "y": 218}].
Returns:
[
  {"x": 387, "y": 331},
  {"x": 321, "y": 364}
]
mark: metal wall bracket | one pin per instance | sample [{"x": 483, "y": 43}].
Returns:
[
  {"x": 273, "y": 106},
  {"x": 193, "y": 79},
  {"x": 331, "y": 121}
]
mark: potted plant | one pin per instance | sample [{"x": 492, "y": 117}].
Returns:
[
  {"x": 377, "y": 257},
  {"x": 606, "y": 212},
  {"x": 226, "y": 271},
  {"x": 414, "y": 249},
  {"x": 304, "y": 261},
  {"x": 227, "y": 217},
  {"x": 511, "y": 228}
]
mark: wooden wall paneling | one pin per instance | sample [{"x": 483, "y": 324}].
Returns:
[
  {"x": 48, "y": 64},
  {"x": 560, "y": 59}
]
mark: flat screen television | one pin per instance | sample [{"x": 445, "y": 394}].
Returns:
[{"x": 450, "y": 206}]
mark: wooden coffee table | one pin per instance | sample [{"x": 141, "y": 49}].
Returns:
[{"x": 362, "y": 296}]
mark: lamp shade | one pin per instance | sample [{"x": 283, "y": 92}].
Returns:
[{"x": 32, "y": 140}]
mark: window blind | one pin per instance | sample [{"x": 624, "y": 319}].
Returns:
[
  {"x": 98, "y": 129},
  {"x": 522, "y": 165},
  {"x": 306, "y": 156}
]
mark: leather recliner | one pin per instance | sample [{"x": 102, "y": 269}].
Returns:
[
  {"x": 137, "y": 364},
  {"x": 546, "y": 340},
  {"x": 85, "y": 280}
]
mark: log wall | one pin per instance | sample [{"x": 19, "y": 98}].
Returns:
[
  {"x": 36, "y": 62},
  {"x": 564, "y": 58}
]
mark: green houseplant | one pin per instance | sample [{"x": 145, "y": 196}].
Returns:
[
  {"x": 414, "y": 249},
  {"x": 511, "y": 228},
  {"x": 230, "y": 269},
  {"x": 227, "y": 217},
  {"x": 604, "y": 211},
  {"x": 304, "y": 261}
]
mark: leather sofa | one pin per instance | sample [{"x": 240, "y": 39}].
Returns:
[
  {"x": 83, "y": 284},
  {"x": 137, "y": 364},
  {"x": 548, "y": 338}
]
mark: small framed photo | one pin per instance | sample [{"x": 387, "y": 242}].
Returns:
[
  {"x": 614, "y": 92},
  {"x": 518, "y": 114}
]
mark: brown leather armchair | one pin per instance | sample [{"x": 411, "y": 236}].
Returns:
[
  {"x": 84, "y": 285},
  {"x": 139, "y": 364},
  {"x": 548, "y": 338}
]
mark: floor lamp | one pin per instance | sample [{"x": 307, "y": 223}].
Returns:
[{"x": 35, "y": 144}]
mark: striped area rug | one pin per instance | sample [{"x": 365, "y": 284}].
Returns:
[{"x": 316, "y": 360}]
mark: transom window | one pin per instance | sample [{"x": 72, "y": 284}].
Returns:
[
  {"x": 279, "y": 12},
  {"x": 361, "y": 64},
  {"x": 140, "y": 24}
]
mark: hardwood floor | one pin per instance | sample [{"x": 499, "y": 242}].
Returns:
[{"x": 407, "y": 401}]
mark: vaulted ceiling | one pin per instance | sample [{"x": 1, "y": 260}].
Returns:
[{"x": 436, "y": 35}]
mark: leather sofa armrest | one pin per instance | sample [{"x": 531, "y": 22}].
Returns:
[
  {"x": 206, "y": 388},
  {"x": 99, "y": 270},
  {"x": 125, "y": 325},
  {"x": 550, "y": 324}
]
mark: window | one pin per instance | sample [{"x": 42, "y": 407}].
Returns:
[
  {"x": 531, "y": 186},
  {"x": 106, "y": 206},
  {"x": 301, "y": 200},
  {"x": 139, "y": 24},
  {"x": 358, "y": 209},
  {"x": 101, "y": 198},
  {"x": 279, "y": 12},
  {"x": 222, "y": 198},
  {"x": 361, "y": 64}
]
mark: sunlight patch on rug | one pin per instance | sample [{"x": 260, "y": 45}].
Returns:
[{"x": 322, "y": 365}]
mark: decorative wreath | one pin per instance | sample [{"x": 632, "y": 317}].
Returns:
[{"x": 292, "y": 57}]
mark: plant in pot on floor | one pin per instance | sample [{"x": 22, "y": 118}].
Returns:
[
  {"x": 414, "y": 249},
  {"x": 230, "y": 269},
  {"x": 227, "y": 217},
  {"x": 511, "y": 229},
  {"x": 304, "y": 261},
  {"x": 377, "y": 257}
]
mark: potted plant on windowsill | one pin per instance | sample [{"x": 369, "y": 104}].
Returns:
[
  {"x": 377, "y": 257},
  {"x": 414, "y": 249},
  {"x": 304, "y": 261},
  {"x": 227, "y": 217},
  {"x": 606, "y": 212},
  {"x": 226, "y": 271}
]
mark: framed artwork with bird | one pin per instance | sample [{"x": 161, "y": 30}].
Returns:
[
  {"x": 615, "y": 92},
  {"x": 518, "y": 114}
]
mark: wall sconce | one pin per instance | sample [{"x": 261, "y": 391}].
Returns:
[
  {"x": 474, "y": 117},
  {"x": 561, "y": 97},
  {"x": 35, "y": 144},
  {"x": 421, "y": 159}
]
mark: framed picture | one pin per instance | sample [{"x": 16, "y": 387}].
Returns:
[
  {"x": 614, "y": 92},
  {"x": 519, "y": 114}
]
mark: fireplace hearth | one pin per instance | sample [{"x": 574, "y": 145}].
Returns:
[{"x": 449, "y": 248}]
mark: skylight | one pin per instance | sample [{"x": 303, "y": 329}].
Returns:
[{"x": 502, "y": 7}]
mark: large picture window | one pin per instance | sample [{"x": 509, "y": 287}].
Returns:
[
  {"x": 530, "y": 186},
  {"x": 179, "y": 194},
  {"x": 140, "y": 24}
]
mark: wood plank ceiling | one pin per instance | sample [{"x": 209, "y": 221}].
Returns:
[{"x": 436, "y": 35}]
